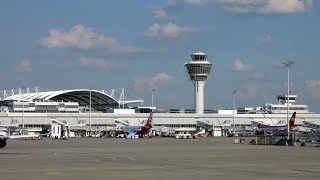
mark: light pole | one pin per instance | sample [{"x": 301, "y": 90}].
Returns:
[
  {"x": 234, "y": 107},
  {"x": 152, "y": 94},
  {"x": 22, "y": 109},
  {"x": 288, "y": 65},
  {"x": 90, "y": 109}
]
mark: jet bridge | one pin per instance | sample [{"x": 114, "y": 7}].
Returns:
[
  {"x": 204, "y": 124},
  {"x": 59, "y": 129}
]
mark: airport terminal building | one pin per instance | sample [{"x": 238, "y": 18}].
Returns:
[{"x": 97, "y": 109}]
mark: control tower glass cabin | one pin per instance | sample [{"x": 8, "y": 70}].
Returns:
[{"x": 199, "y": 70}]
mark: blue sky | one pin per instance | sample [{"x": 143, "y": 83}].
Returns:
[{"x": 141, "y": 45}]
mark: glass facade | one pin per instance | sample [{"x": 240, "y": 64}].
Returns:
[
  {"x": 199, "y": 72},
  {"x": 199, "y": 68},
  {"x": 44, "y": 107},
  {"x": 201, "y": 57}
]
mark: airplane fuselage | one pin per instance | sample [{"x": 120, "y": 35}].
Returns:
[{"x": 262, "y": 128}]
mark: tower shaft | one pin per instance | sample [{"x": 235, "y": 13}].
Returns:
[{"x": 199, "y": 96}]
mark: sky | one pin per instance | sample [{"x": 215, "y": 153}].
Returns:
[{"x": 143, "y": 45}]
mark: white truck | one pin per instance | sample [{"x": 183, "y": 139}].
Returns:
[{"x": 184, "y": 135}]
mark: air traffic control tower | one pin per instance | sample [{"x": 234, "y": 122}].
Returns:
[{"x": 199, "y": 70}]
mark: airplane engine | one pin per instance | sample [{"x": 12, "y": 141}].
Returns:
[{"x": 3, "y": 143}]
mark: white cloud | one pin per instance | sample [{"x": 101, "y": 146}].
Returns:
[
  {"x": 240, "y": 66},
  {"x": 160, "y": 13},
  {"x": 145, "y": 83},
  {"x": 313, "y": 86},
  {"x": 169, "y": 30},
  {"x": 181, "y": 2},
  {"x": 254, "y": 6},
  {"x": 25, "y": 66},
  {"x": 161, "y": 77},
  {"x": 267, "y": 39},
  {"x": 99, "y": 63},
  {"x": 271, "y": 7},
  {"x": 81, "y": 37},
  {"x": 77, "y": 37}
]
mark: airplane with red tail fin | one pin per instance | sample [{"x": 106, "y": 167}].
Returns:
[
  {"x": 140, "y": 129},
  {"x": 274, "y": 127}
]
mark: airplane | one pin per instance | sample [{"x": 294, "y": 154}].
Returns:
[
  {"x": 9, "y": 126},
  {"x": 276, "y": 127},
  {"x": 140, "y": 130},
  {"x": 3, "y": 139},
  {"x": 256, "y": 123},
  {"x": 313, "y": 125}
]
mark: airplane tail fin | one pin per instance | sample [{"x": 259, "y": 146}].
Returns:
[
  {"x": 149, "y": 121},
  {"x": 292, "y": 119}
]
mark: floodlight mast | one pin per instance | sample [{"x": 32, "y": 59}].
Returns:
[
  {"x": 90, "y": 109},
  {"x": 152, "y": 94},
  {"x": 288, "y": 65},
  {"x": 22, "y": 110},
  {"x": 234, "y": 107},
  {"x": 21, "y": 91}
]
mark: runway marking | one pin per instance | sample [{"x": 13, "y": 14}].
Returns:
[
  {"x": 103, "y": 159},
  {"x": 113, "y": 155},
  {"x": 306, "y": 171},
  {"x": 55, "y": 173},
  {"x": 130, "y": 158}
]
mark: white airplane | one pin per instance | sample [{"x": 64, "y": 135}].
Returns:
[
  {"x": 311, "y": 124},
  {"x": 276, "y": 127},
  {"x": 140, "y": 130},
  {"x": 256, "y": 123},
  {"x": 3, "y": 139}
]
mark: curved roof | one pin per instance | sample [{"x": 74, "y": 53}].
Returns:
[{"x": 82, "y": 96}]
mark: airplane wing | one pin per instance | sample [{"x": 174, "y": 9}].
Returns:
[
  {"x": 123, "y": 122},
  {"x": 311, "y": 123},
  {"x": 257, "y": 123},
  {"x": 21, "y": 136},
  {"x": 17, "y": 137},
  {"x": 3, "y": 139}
]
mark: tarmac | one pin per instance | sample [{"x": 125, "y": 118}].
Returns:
[{"x": 155, "y": 158}]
